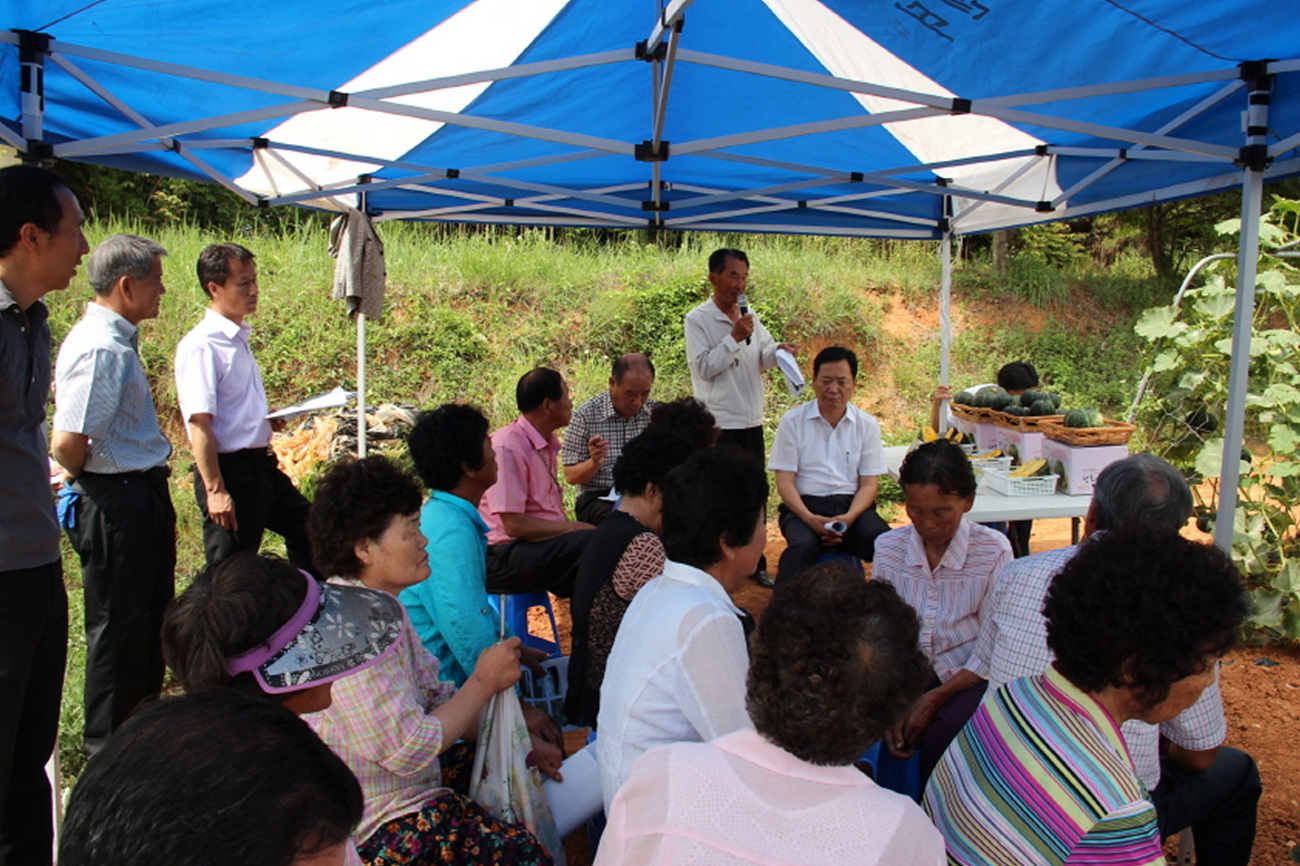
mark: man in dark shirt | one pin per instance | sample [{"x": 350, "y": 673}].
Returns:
[{"x": 41, "y": 244}]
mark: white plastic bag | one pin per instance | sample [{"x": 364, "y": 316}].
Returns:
[{"x": 503, "y": 783}]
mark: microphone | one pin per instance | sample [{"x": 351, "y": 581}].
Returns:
[{"x": 744, "y": 311}]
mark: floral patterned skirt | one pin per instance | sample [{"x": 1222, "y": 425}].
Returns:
[{"x": 452, "y": 829}]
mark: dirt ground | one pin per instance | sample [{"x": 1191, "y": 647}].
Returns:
[{"x": 1261, "y": 693}]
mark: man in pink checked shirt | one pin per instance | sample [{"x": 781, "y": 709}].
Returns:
[{"x": 531, "y": 544}]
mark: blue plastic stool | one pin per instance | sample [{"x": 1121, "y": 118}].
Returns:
[
  {"x": 903, "y": 777},
  {"x": 517, "y": 607},
  {"x": 847, "y": 558}
]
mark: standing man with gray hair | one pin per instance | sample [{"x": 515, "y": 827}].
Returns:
[
  {"x": 1199, "y": 783},
  {"x": 114, "y": 456}
]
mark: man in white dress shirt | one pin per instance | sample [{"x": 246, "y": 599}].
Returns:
[
  {"x": 828, "y": 460},
  {"x": 727, "y": 349},
  {"x": 114, "y": 456},
  {"x": 237, "y": 481},
  {"x": 1200, "y": 782}
]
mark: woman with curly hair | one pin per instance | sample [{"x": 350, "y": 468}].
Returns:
[
  {"x": 835, "y": 663},
  {"x": 942, "y": 565},
  {"x": 1041, "y": 776},
  {"x": 393, "y": 721}
]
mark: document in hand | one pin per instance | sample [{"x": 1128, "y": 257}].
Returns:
[{"x": 789, "y": 368}]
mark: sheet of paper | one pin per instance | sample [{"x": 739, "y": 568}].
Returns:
[
  {"x": 789, "y": 368},
  {"x": 332, "y": 400},
  {"x": 577, "y": 799}
]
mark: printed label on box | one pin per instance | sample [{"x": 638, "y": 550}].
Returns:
[
  {"x": 985, "y": 434},
  {"x": 1079, "y": 465},
  {"x": 1020, "y": 445}
]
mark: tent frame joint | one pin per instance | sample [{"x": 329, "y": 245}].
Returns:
[
  {"x": 643, "y": 51},
  {"x": 960, "y": 106},
  {"x": 646, "y": 151},
  {"x": 1254, "y": 157},
  {"x": 37, "y": 151},
  {"x": 655, "y": 206},
  {"x": 32, "y": 44},
  {"x": 338, "y": 99},
  {"x": 1044, "y": 207}
]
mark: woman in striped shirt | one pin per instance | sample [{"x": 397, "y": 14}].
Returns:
[{"x": 1041, "y": 775}]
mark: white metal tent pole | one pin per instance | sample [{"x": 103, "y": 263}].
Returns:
[
  {"x": 361, "y": 384},
  {"x": 1254, "y": 158},
  {"x": 361, "y": 362},
  {"x": 945, "y": 321},
  {"x": 32, "y": 49}
]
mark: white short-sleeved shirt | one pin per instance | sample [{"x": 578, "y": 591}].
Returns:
[
  {"x": 676, "y": 672},
  {"x": 827, "y": 460},
  {"x": 1013, "y": 644},
  {"x": 216, "y": 374}
]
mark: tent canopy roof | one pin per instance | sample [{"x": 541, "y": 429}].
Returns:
[{"x": 894, "y": 119}]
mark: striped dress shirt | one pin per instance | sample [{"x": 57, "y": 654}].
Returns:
[
  {"x": 101, "y": 392},
  {"x": 1040, "y": 776},
  {"x": 1013, "y": 644},
  {"x": 948, "y": 599}
]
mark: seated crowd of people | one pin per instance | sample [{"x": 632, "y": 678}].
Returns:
[{"x": 1057, "y": 708}]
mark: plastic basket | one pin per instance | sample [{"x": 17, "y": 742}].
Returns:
[
  {"x": 991, "y": 464},
  {"x": 547, "y": 692},
  {"x": 1034, "y": 485}
]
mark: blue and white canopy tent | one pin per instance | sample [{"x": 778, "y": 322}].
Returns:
[{"x": 884, "y": 118}]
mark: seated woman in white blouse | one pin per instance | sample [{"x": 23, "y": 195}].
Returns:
[
  {"x": 677, "y": 669},
  {"x": 835, "y": 664}
]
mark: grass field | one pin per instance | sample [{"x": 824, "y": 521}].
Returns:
[{"x": 467, "y": 312}]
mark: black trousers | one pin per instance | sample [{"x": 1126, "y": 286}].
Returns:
[
  {"x": 125, "y": 535},
  {"x": 1219, "y": 804},
  {"x": 531, "y": 566},
  {"x": 265, "y": 499},
  {"x": 803, "y": 546},
  {"x": 749, "y": 440},
  {"x": 591, "y": 507},
  {"x": 33, "y": 652}
]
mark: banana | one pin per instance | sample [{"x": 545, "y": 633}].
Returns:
[{"x": 1030, "y": 469}]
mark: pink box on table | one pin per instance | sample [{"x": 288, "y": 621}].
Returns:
[
  {"x": 984, "y": 433},
  {"x": 1022, "y": 445},
  {"x": 1079, "y": 465}
]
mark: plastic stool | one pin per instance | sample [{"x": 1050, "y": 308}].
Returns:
[
  {"x": 847, "y": 558},
  {"x": 903, "y": 777},
  {"x": 517, "y": 607}
]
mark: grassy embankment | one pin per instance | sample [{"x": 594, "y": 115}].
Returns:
[{"x": 468, "y": 313}]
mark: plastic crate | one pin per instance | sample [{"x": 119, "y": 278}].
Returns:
[
  {"x": 991, "y": 464},
  {"x": 1034, "y": 485},
  {"x": 547, "y": 692}
]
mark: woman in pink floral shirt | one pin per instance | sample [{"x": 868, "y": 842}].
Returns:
[{"x": 396, "y": 724}]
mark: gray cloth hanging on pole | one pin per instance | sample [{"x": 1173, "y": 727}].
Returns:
[{"x": 359, "y": 273}]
